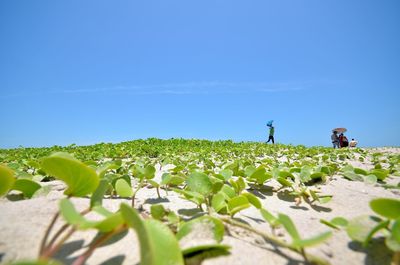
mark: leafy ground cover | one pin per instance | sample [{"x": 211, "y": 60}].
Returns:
[{"x": 199, "y": 202}]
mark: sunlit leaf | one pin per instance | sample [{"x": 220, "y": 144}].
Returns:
[
  {"x": 98, "y": 194},
  {"x": 7, "y": 179},
  {"x": 237, "y": 204},
  {"x": 226, "y": 173},
  {"x": 218, "y": 202},
  {"x": 80, "y": 178},
  {"x": 289, "y": 226},
  {"x": 312, "y": 241},
  {"x": 353, "y": 176},
  {"x": 389, "y": 208},
  {"x": 381, "y": 174},
  {"x": 253, "y": 200},
  {"x": 272, "y": 220},
  {"x": 123, "y": 188},
  {"x": 158, "y": 245},
  {"x": 157, "y": 211},
  {"x": 199, "y": 182},
  {"x": 203, "y": 233},
  {"x": 360, "y": 171},
  {"x": 72, "y": 216},
  {"x": 109, "y": 223},
  {"x": 26, "y": 186}
]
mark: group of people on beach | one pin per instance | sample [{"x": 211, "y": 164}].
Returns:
[{"x": 340, "y": 141}]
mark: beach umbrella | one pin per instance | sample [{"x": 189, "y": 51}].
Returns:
[{"x": 340, "y": 130}]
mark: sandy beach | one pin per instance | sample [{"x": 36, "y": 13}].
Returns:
[{"x": 23, "y": 223}]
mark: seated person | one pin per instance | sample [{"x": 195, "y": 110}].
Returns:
[{"x": 353, "y": 143}]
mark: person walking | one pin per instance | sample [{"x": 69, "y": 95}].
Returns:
[
  {"x": 335, "y": 139},
  {"x": 271, "y": 134}
]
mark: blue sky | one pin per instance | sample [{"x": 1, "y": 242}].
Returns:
[{"x": 95, "y": 71}]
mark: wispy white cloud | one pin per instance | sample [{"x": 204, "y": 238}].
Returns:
[
  {"x": 185, "y": 88},
  {"x": 211, "y": 87}
]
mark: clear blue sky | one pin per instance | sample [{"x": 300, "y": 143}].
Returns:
[{"x": 95, "y": 71}]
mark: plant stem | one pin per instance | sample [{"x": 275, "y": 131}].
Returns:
[
  {"x": 62, "y": 229},
  {"x": 158, "y": 192},
  {"x": 134, "y": 193},
  {"x": 47, "y": 233},
  {"x": 81, "y": 259},
  {"x": 396, "y": 258},
  {"x": 49, "y": 252},
  {"x": 308, "y": 257}
]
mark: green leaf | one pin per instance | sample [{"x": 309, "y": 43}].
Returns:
[
  {"x": 98, "y": 194},
  {"x": 203, "y": 233},
  {"x": 217, "y": 186},
  {"x": 109, "y": 223},
  {"x": 381, "y": 174},
  {"x": 81, "y": 179},
  {"x": 226, "y": 173},
  {"x": 285, "y": 174},
  {"x": 289, "y": 226},
  {"x": 199, "y": 182},
  {"x": 340, "y": 221},
  {"x": 370, "y": 179},
  {"x": 169, "y": 179},
  {"x": 153, "y": 183},
  {"x": 253, "y": 200},
  {"x": 200, "y": 224},
  {"x": 228, "y": 191},
  {"x": 33, "y": 164},
  {"x": 305, "y": 173},
  {"x": 352, "y": 176},
  {"x": 325, "y": 169},
  {"x": 260, "y": 175},
  {"x": 389, "y": 208},
  {"x": 191, "y": 195},
  {"x": 26, "y": 186},
  {"x": 102, "y": 211},
  {"x": 249, "y": 170},
  {"x": 284, "y": 182},
  {"x": 324, "y": 198},
  {"x": 360, "y": 171},
  {"x": 359, "y": 228},
  {"x": 158, "y": 245},
  {"x": 239, "y": 185},
  {"x": 312, "y": 241},
  {"x": 237, "y": 204},
  {"x": 7, "y": 179},
  {"x": 396, "y": 230},
  {"x": 218, "y": 202},
  {"x": 72, "y": 216},
  {"x": 102, "y": 170},
  {"x": 123, "y": 188},
  {"x": 157, "y": 211},
  {"x": 314, "y": 195},
  {"x": 392, "y": 244},
  {"x": 173, "y": 218},
  {"x": 272, "y": 220},
  {"x": 149, "y": 172}
]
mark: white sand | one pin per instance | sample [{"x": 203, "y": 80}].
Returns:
[{"x": 22, "y": 225}]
